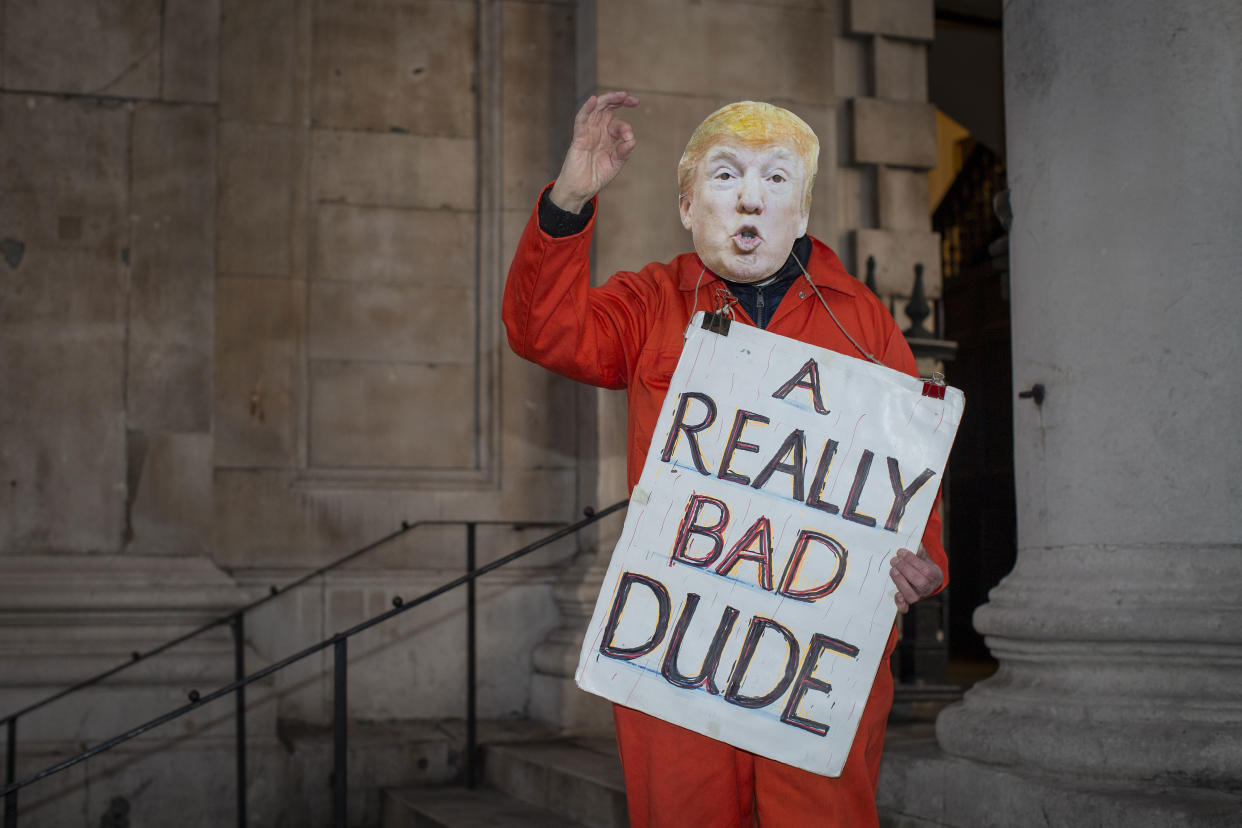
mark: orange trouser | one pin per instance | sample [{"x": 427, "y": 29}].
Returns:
[{"x": 676, "y": 777}]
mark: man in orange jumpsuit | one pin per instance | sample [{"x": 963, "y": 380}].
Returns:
[{"x": 745, "y": 182}]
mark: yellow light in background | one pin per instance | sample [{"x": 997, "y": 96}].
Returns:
[{"x": 949, "y": 157}]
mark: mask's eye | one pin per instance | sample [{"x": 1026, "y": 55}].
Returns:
[
  {"x": 724, "y": 175},
  {"x": 777, "y": 178}
]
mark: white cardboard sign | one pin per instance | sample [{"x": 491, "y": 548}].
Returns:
[{"x": 748, "y": 598}]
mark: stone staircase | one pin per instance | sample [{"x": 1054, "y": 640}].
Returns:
[{"x": 551, "y": 781}]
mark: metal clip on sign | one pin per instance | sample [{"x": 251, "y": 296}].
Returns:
[
  {"x": 935, "y": 386},
  {"x": 716, "y": 323}
]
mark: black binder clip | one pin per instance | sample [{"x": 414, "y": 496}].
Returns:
[{"x": 716, "y": 323}]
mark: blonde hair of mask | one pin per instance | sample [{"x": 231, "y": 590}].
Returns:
[{"x": 752, "y": 123}]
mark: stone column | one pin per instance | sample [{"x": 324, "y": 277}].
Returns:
[{"x": 1119, "y": 632}]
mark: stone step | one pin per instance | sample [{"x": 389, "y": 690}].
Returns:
[
  {"x": 579, "y": 780},
  {"x": 462, "y": 808}
]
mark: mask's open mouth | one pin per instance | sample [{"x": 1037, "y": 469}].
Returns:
[{"x": 747, "y": 239}]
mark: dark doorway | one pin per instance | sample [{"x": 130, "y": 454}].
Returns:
[
  {"x": 981, "y": 527},
  {"x": 965, "y": 77}
]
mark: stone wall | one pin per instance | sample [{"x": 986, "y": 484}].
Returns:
[{"x": 253, "y": 254}]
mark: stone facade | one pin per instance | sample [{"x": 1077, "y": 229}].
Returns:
[{"x": 253, "y": 255}]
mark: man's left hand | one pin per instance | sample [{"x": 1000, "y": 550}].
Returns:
[{"x": 916, "y": 577}]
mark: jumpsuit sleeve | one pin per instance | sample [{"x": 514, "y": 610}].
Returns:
[
  {"x": 897, "y": 355},
  {"x": 554, "y": 317}
]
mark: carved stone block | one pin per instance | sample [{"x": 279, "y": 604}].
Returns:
[
  {"x": 911, "y": 19},
  {"x": 258, "y": 371},
  {"x": 904, "y": 200},
  {"x": 392, "y": 170},
  {"x": 407, "y": 67},
  {"x": 173, "y": 268},
  {"x": 191, "y": 50},
  {"x": 105, "y": 48},
  {"x": 901, "y": 133},
  {"x": 392, "y": 415},
  {"x": 900, "y": 69},
  {"x": 255, "y": 212},
  {"x": 382, "y": 244}
]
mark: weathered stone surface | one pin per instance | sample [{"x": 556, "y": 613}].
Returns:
[
  {"x": 922, "y": 786},
  {"x": 538, "y": 103},
  {"x": 901, "y": 133},
  {"x": 392, "y": 415},
  {"x": 380, "y": 244},
  {"x": 852, "y": 73},
  {"x": 86, "y": 144},
  {"x": 256, "y": 169},
  {"x": 900, "y": 69},
  {"x": 638, "y": 216},
  {"x": 539, "y": 416},
  {"x": 425, "y": 646},
  {"x": 170, "y": 489},
  {"x": 823, "y": 120},
  {"x": 191, "y": 49},
  {"x": 855, "y": 207},
  {"x": 65, "y": 617},
  {"x": 911, "y": 19},
  {"x": 62, "y": 479},
  {"x": 818, "y": 5},
  {"x": 106, "y": 48},
  {"x": 896, "y": 253},
  {"x": 258, "y": 41},
  {"x": 904, "y": 200},
  {"x": 723, "y": 58},
  {"x": 261, "y": 519},
  {"x": 258, "y": 373},
  {"x": 406, "y": 67},
  {"x": 173, "y": 268},
  {"x": 192, "y": 783},
  {"x": 62, "y": 308},
  {"x": 392, "y": 322},
  {"x": 392, "y": 170}
]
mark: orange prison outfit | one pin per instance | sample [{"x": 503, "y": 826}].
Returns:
[{"x": 627, "y": 334}]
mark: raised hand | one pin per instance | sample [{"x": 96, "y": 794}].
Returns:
[{"x": 599, "y": 150}]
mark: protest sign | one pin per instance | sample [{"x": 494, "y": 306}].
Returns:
[{"x": 749, "y": 596}]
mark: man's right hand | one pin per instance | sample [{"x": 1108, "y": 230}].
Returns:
[{"x": 599, "y": 150}]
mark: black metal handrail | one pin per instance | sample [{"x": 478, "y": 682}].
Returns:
[{"x": 339, "y": 644}]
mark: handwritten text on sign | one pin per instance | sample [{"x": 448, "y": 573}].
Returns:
[{"x": 748, "y": 597}]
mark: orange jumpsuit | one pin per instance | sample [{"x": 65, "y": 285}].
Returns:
[{"x": 628, "y": 334}]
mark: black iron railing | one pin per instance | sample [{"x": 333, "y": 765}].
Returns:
[{"x": 338, "y": 642}]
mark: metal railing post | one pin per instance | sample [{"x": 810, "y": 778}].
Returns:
[
  {"x": 471, "y": 701},
  {"x": 239, "y": 673},
  {"x": 10, "y": 775},
  {"x": 340, "y": 733}
]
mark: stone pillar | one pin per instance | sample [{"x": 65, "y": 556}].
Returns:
[{"x": 1119, "y": 632}]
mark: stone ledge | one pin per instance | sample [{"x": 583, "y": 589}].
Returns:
[
  {"x": 920, "y": 785},
  {"x": 191, "y": 587}
]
